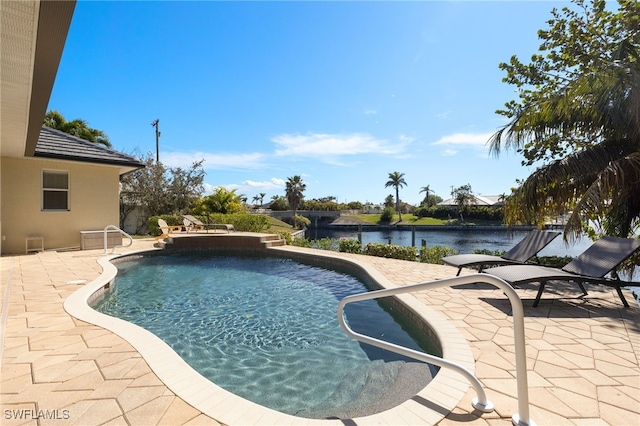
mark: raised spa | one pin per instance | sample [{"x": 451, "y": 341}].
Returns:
[{"x": 265, "y": 328}]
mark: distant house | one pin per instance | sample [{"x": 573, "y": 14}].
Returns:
[
  {"x": 476, "y": 200},
  {"x": 53, "y": 185},
  {"x": 370, "y": 208}
]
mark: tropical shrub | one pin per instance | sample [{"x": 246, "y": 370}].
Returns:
[
  {"x": 387, "y": 214},
  {"x": 301, "y": 222},
  {"x": 286, "y": 236},
  {"x": 435, "y": 253},
  {"x": 241, "y": 221},
  {"x": 350, "y": 245},
  {"x": 391, "y": 251},
  {"x": 325, "y": 244},
  {"x": 301, "y": 242}
]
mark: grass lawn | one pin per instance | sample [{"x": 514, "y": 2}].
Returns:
[{"x": 276, "y": 225}]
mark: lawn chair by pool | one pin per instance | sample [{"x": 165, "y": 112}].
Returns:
[
  {"x": 529, "y": 247},
  {"x": 166, "y": 229},
  {"x": 192, "y": 223},
  {"x": 590, "y": 267}
]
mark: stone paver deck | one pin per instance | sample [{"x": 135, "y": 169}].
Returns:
[{"x": 582, "y": 353}]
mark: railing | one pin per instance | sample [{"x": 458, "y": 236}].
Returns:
[
  {"x": 113, "y": 250},
  {"x": 480, "y": 402}
]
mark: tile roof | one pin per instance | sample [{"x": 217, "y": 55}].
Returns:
[{"x": 59, "y": 145}]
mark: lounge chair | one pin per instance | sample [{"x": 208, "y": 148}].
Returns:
[
  {"x": 166, "y": 229},
  {"x": 590, "y": 267},
  {"x": 529, "y": 247},
  {"x": 192, "y": 223}
]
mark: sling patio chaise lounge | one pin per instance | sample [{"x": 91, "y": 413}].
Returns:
[
  {"x": 192, "y": 223},
  {"x": 590, "y": 267},
  {"x": 529, "y": 247}
]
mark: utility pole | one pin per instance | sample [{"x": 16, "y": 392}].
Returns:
[{"x": 156, "y": 123}]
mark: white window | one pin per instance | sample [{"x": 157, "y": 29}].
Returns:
[{"x": 55, "y": 190}]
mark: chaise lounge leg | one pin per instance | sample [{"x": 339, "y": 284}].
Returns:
[
  {"x": 584, "y": 290},
  {"x": 622, "y": 298},
  {"x": 539, "y": 295}
]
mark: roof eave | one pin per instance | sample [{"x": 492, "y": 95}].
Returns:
[{"x": 54, "y": 20}]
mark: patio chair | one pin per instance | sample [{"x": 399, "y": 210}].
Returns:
[
  {"x": 529, "y": 247},
  {"x": 192, "y": 223},
  {"x": 166, "y": 229},
  {"x": 590, "y": 267}
]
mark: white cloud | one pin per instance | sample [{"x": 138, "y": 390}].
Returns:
[
  {"x": 326, "y": 147},
  {"x": 443, "y": 115},
  {"x": 273, "y": 183},
  {"x": 475, "y": 139},
  {"x": 370, "y": 112},
  {"x": 452, "y": 143},
  {"x": 213, "y": 161}
]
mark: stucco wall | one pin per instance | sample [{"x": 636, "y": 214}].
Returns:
[{"x": 93, "y": 203}]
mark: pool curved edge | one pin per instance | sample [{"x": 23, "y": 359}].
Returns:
[{"x": 428, "y": 407}]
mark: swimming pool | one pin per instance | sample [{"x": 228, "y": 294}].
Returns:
[{"x": 266, "y": 329}]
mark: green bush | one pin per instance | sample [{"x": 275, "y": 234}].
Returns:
[
  {"x": 325, "y": 244},
  {"x": 350, "y": 245},
  {"x": 301, "y": 222},
  {"x": 301, "y": 242},
  {"x": 489, "y": 252},
  {"x": 286, "y": 236},
  {"x": 433, "y": 254},
  {"x": 387, "y": 214},
  {"x": 244, "y": 222},
  {"x": 555, "y": 261},
  {"x": 391, "y": 251}
]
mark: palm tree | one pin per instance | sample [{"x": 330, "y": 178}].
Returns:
[
  {"x": 77, "y": 127},
  {"x": 261, "y": 197},
  {"x": 396, "y": 179},
  {"x": 427, "y": 191},
  {"x": 294, "y": 189},
  {"x": 255, "y": 200},
  {"x": 581, "y": 118},
  {"x": 600, "y": 180}
]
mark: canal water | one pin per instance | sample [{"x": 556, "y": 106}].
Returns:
[{"x": 463, "y": 240}]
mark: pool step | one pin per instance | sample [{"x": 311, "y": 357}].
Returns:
[
  {"x": 374, "y": 388},
  {"x": 272, "y": 241}
]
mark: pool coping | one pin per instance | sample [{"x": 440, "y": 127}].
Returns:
[{"x": 429, "y": 406}]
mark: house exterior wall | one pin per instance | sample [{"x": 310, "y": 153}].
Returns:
[{"x": 93, "y": 202}]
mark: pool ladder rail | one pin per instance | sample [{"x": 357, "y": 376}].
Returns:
[
  {"x": 113, "y": 250},
  {"x": 480, "y": 402}
]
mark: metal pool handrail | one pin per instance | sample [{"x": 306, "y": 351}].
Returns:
[
  {"x": 480, "y": 402},
  {"x": 113, "y": 250}
]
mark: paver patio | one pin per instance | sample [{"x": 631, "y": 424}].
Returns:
[{"x": 582, "y": 353}]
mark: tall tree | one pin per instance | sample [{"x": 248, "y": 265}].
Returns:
[
  {"x": 294, "y": 193},
  {"x": 578, "y": 115},
  {"x": 426, "y": 191},
  {"x": 156, "y": 190},
  {"x": 77, "y": 127},
  {"x": 396, "y": 179}
]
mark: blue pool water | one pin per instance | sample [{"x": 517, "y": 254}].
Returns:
[{"x": 266, "y": 330}]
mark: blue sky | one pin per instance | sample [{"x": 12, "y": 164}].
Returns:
[{"x": 340, "y": 93}]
